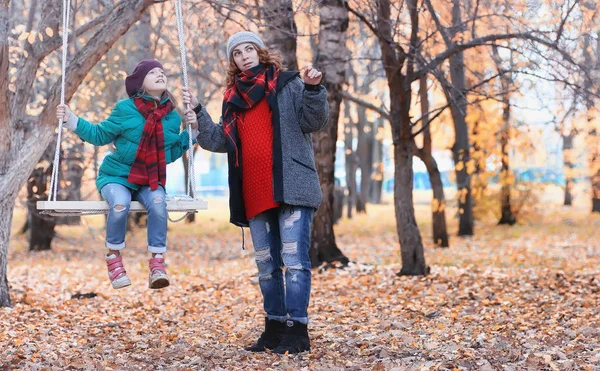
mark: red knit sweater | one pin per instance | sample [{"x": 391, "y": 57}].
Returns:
[{"x": 256, "y": 136}]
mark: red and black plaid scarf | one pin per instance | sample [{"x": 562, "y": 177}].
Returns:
[
  {"x": 150, "y": 165},
  {"x": 248, "y": 89}
]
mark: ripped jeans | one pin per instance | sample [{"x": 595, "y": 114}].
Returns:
[
  {"x": 281, "y": 237},
  {"x": 119, "y": 200}
]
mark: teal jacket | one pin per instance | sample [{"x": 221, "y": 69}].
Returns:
[{"x": 124, "y": 127}]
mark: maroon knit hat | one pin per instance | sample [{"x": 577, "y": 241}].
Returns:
[{"x": 133, "y": 82}]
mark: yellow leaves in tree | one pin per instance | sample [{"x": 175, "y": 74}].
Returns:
[
  {"x": 507, "y": 178},
  {"x": 49, "y": 32},
  {"x": 471, "y": 167},
  {"x": 459, "y": 166}
]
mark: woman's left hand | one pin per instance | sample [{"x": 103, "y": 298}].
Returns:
[
  {"x": 312, "y": 76},
  {"x": 190, "y": 119}
]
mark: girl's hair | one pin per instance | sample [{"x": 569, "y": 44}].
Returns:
[
  {"x": 265, "y": 56},
  {"x": 165, "y": 93}
]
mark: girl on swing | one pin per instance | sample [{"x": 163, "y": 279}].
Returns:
[
  {"x": 145, "y": 130},
  {"x": 267, "y": 117}
]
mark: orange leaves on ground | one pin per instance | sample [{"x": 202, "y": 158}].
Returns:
[{"x": 525, "y": 297}]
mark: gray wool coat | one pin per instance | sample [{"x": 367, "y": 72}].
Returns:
[{"x": 299, "y": 111}]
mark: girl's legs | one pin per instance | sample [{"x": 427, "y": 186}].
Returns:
[
  {"x": 119, "y": 200},
  {"x": 156, "y": 206}
]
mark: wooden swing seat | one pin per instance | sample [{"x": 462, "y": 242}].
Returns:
[{"x": 69, "y": 207}]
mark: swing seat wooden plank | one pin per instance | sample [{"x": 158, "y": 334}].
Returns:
[{"x": 175, "y": 205}]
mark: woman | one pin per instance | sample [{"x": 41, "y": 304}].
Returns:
[{"x": 267, "y": 117}]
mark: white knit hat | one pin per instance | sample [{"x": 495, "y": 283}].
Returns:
[{"x": 240, "y": 38}]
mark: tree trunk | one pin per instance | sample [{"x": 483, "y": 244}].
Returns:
[
  {"x": 376, "y": 186},
  {"x": 331, "y": 60},
  {"x": 280, "y": 33},
  {"x": 461, "y": 149},
  {"x": 593, "y": 138},
  {"x": 569, "y": 166},
  {"x": 594, "y": 167},
  {"x": 6, "y": 203},
  {"x": 29, "y": 136},
  {"x": 40, "y": 227},
  {"x": 411, "y": 244},
  {"x": 5, "y": 112},
  {"x": 438, "y": 205},
  {"x": 73, "y": 179},
  {"x": 508, "y": 216},
  {"x": 364, "y": 154},
  {"x": 350, "y": 157}
]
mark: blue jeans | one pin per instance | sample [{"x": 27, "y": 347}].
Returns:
[
  {"x": 119, "y": 200},
  {"x": 281, "y": 237}
]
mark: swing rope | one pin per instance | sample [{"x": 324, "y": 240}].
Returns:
[
  {"x": 65, "y": 44},
  {"x": 191, "y": 183}
]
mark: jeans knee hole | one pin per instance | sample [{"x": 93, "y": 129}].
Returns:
[
  {"x": 290, "y": 247},
  {"x": 265, "y": 277},
  {"x": 293, "y": 218},
  {"x": 119, "y": 208},
  {"x": 262, "y": 256},
  {"x": 158, "y": 200}
]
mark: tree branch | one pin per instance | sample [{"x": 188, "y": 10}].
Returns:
[
  {"x": 377, "y": 32},
  {"x": 457, "y": 48},
  {"x": 563, "y": 21},
  {"x": 383, "y": 112},
  {"x": 56, "y": 42},
  {"x": 117, "y": 24},
  {"x": 438, "y": 24}
]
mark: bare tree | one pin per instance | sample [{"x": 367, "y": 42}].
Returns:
[
  {"x": 400, "y": 61},
  {"x": 507, "y": 81},
  {"x": 425, "y": 154},
  {"x": 331, "y": 58}
]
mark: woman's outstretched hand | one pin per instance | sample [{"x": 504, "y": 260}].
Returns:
[{"x": 312, "y": 76}]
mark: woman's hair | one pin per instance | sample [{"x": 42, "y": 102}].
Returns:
[
  {"x": 265, "y": 56},
  {"x": 166, "y": 93}
]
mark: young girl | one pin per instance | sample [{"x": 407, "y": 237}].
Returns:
[
  {"x": 267, "y": 117},
  {"x": 145, "y": 132}
]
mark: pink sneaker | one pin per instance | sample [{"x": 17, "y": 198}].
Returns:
[
  {"x": 158, "y": 273},
  {"x": 116, "y": 271}
]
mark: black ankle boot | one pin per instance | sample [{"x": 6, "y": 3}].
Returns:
[
  {"x": 295, "y": 339},
  {"x": 270, "y": 338}
]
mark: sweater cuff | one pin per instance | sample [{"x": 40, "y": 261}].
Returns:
[
  {"x": 71, "y": 122},
  {"x": 312, "y": 87},
  {"x": 198, "y": 108}
]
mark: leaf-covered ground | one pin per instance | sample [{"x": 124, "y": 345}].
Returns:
[{"x": 511, "y": 298}]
